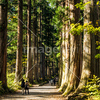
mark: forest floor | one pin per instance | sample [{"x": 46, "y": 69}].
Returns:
[{"x": 36, "y": 92}]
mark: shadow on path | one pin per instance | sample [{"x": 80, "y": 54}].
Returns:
[{"x": 45, "y": 92}]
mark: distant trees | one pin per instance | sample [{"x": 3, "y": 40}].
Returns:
[
  {"x": 41, "y": 32},
  {"x": 42, "y": 29}
]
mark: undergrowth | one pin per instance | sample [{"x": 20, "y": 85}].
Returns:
[
  {"x": 11, "y": 85},
  {"x": 92, "y": 88}
]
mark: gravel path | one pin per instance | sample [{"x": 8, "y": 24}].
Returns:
[{"x": 45, "y": 92}]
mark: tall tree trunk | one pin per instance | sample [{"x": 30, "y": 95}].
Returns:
[
  {"x": 96, "y": 23},
  {"x": 94, "y": 38},
  {"x": 41, "y": 54},
  {"x": 72, "y": 16},
  {"x": 86, "y": 50},
  {"x": 29, "y": 74},
  {"x": 67, "y": 44},
  {"x": 3, "y": 43},
  {"x": 35, "y": 38},
  {"x": 75, "y": 51},
  {"x": 43, "y": 65},
  {"x": 63, "y": 53},
  {"x": 18, "y": 74},
  {"x": 60, "y": 65},
  {"x": 99, "y": 36}
]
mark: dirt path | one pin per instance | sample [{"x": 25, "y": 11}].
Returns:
[{"x": 45, "y": 92}]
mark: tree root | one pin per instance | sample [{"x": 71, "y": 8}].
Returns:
[
  {"x": 77, "y": 94},
  {"x": 68, "y": 90},
  {"x": 60, "y": 89},
  {"x": 63, "y": 87},
  {"x": 80, "y": 96}
]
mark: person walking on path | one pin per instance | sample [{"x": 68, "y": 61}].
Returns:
[
  {"x": 51, "y": 82},
  {"x": 26, "y": 87},
  {"x": 23, "y": 86},
  {"x": 54, "y": 81}
]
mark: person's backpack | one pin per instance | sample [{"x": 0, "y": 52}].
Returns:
[
  {"x": 22, "y": 84},
  {"x": 26, "y": 86}
]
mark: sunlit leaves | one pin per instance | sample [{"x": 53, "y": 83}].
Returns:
[
  {"x": 98, "y": 3},
  {"x": 58, "y": 55},
  {"x": 97, "y": 56},
  {"x": 92, "y": 87},
  {"x": 97, "y": 42},
  {"x": 76, "y": 29},
  {"x": 81, "y": 5},
  {"x": 88, "y": 27}
]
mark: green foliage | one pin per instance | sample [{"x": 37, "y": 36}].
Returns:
[
  {"x": 12, "y": 35},
  {"x": 0, "y": 85},
  {"x": 2, "y": 1},
  {"x": 98, "y": 48},
  {"x": 1, "y": 89},
  {"x": 12, "y": 28},
  {"x": 81, "y": 5},
  {"x": 11, "y": 84},
  {"x": 58, "y": 55},
  {"x": 97, "y": 56},
  {"x": 93, "y": 86},
  {"x": 76, "y": 29},
  {"x": 98, "y": 3}
]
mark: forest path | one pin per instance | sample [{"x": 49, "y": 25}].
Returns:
[{"x": 45, "y": 92}]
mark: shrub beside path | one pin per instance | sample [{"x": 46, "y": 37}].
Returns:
[{"x": 45, "y": 92}]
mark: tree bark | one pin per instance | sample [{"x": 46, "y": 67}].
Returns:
[
  {"x": 29, "y": 74},
  {"x": 3, "y": 43},
  {"x": 75, "y": 51},
  {"x": 86, "y": 51},
  {"x": 35, "y": 42},
  {"x": 72, "y": 20},
  {"x": 18, "y": 74},
  {"x": 63, "y": 50},
  {"x": 60, "y": 64}
]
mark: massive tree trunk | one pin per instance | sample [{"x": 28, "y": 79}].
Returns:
[
  {"x": 94, "y": 17},
  {"x": 63, "y": 63},
  {"x": 67, "y": 44},
  {"x": 3, "y": 42},
  {"x": 29, "y": 74},
  {"x": 78, "y": 53},
  {"x": 86, "y": 51},
  {"x": 75, "y": 51},
  {"x": 18, "y": 74},
  {"x": 70, "y": 86},
  {"x": 96, "y": 23},
  {"x": 63, "y": 52}
]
